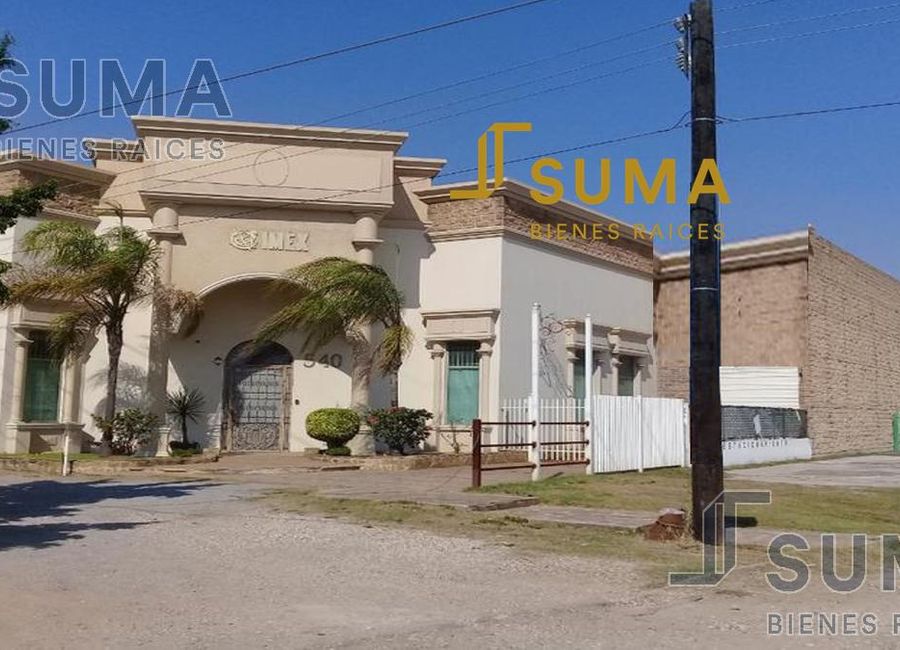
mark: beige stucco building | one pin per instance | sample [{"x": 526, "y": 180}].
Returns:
[{"x": 281, "y": 196}]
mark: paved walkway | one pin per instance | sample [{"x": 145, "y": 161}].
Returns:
[
  {"x": 441, "y": 486},
  {"x": 852, "y": 471},
  {"x": 575, "y": 516}
]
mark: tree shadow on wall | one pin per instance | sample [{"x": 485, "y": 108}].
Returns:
[
  {"x": 131, "y": 388},
  {"x": 23, "y": 501}
]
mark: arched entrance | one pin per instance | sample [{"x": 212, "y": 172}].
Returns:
[{"x": 257, "y": 393}]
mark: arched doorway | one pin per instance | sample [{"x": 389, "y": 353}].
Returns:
[{"x": 257, "y": 393}]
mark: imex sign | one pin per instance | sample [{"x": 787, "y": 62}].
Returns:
[{"x": 707, "y": 181}]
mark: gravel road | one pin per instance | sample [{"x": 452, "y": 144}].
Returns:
[{"x": 118, "y": 564}]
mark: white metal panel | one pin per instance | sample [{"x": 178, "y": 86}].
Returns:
[
  {"x": 772, "y": 386},
  {"x": 634, "y": 433}
]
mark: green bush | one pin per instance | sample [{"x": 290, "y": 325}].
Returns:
[
  {"x": 334, "y": 426},
  {"x": 400, "y": 428},
  {"x": 130, "y": 429},
  {"x": 338, "y": 451}
]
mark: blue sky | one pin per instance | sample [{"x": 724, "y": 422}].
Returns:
[{"x": 838, "y": 172}]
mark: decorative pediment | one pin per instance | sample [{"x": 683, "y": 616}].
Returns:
[{"x": 472, "y": 325}]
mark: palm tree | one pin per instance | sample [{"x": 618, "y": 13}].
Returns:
[
  {"x": 185, "y": 405},
  {"x": 103, "y": 276},
  {"x": 339, "y": 297}
]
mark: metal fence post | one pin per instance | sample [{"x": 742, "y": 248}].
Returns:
[{"x": 476, "y": 453}]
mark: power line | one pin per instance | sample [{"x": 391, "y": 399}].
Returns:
[
  {"x": 306, "y": 59},
  {"x": 564, "y": 86},
  {"x": 612, "y": 141},
  {"x": 537, "y": 93},
  {"x": 746, "y": 5},
  {"x": 494, "y": 73},
  {"x": 582, "y": 81},
  {"x": 821, "y": 111},
  {"x": 147, "y": 166},
  {"x": 804, "y": 19},
  {"x": 809, "y": 34},
  {"x": 417, "y": 124}
]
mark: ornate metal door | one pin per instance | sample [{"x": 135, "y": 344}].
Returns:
[{"x": 257, "y": 401}]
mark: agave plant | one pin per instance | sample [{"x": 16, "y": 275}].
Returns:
[{"x": 185, "y": 405}]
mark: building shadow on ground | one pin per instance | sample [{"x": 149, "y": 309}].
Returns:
[{"x": 47, "y": 498}]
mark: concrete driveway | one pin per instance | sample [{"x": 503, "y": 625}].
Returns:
[{"x": 853, "y": 471}]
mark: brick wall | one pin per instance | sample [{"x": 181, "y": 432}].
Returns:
[
  {"x": 763, "y": 322},
  {"x": 10, "y": 180},
  {"x": 517, "y": 216},
  {"x": 72, "y": 196},
  {"x": 853, "y": 371}
]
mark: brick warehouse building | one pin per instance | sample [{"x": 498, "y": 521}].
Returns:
[{"x": 800, "y": 301}]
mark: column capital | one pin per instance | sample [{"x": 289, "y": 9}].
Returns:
[
  {"x": 20, "y": 334},
  {"x": 436, "y": 348},
  {"x": 165, "y": 222}
]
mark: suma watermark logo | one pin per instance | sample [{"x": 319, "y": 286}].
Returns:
[
  {"x": 201, "y": 88},
  {"x": 792, "y": 572},
  {"x": 708, "y": 180}
]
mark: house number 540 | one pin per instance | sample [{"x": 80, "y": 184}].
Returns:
[{"x": 330, "y": 360}]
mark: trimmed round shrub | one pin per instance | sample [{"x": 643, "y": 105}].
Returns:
[
  {"x": 333, "y": 426},
  {"x": 338, "y": 451}
]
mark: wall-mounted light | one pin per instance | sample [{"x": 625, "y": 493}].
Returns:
[{"x": 217, "y": 360}]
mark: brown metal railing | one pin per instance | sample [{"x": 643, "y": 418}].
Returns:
[{"x": 478, "y": 446}]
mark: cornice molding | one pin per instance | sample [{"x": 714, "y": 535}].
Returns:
[
  {"x": 281, "y": 133},
  {"x": 156, "y": 197},
  {"x": 762, "y": 251},
  {"x": 113, "y": 149},
  {"x": 418, "y": 167},
  {"x": 13, "y": 160}
]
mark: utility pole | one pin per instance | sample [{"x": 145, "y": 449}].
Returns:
[{"x": 698, "y": 56}]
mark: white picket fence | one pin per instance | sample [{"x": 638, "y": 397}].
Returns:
[
  {"x": 551, "y": 410},
  {"x": 627, "y": 433}
]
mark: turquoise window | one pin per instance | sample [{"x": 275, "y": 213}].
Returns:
[
  {"x": 462, "y": 382},
  {"x": 41, "y": 380}
]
